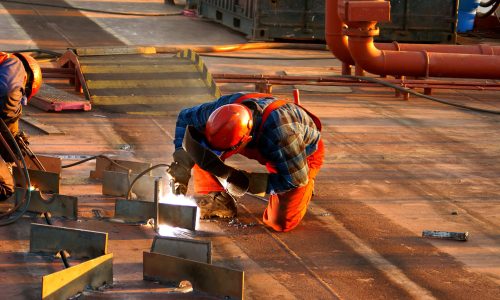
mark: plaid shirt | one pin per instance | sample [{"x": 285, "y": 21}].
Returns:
[{"x": 287, "y": 137}]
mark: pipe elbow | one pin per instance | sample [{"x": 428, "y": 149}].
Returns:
[
  {"x": 338, "y": 45},
  {"x": 367, "y": 56}
]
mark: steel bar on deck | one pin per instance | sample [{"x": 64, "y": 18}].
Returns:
[{"x": 333, "y": 80}]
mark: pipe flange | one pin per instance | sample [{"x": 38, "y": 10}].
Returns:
[{"x": 361, "y": 32}]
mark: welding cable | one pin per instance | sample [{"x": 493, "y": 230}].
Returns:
[
  {"x": 94, "y": 157},
  {"x": 409, "y": 91},
  {"x": 25, "y": 180},
  {"x": 131, "y": 186},
  {"x": 64, "y": 258},
  {"x": 96, "y": 10}
]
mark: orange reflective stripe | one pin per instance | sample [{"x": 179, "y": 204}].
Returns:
[
  {"x": 252, "y": 95},
  {"x": 4, "y": 56},
  {"x": 268, "y": 110}
]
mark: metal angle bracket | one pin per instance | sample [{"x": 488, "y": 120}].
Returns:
[
  {"x": 57, "y": 205},
  {"x": 117, "y": 184},
  {"x": 184, "y": 216},
  {"x": 48, "y": 181},
  {"x": 79, "y": 243},
  {"x": 68, "y": 282},
  {"x": 192, "y": 249},
  {"x": 215, "y": 280}
]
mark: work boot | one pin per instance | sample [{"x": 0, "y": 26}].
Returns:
[{"x": 216, "y": 204}]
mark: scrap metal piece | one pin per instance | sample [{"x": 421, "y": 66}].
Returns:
[
  {"x": 102, "y": 164},
  {"x": 51, "y": 164},
  {"x": 68, "y": 282},
  {"x": 118, "y": 183},
  {"x": 446, "y": 235},
  {"x": 79, "y": 243},
  {"x": 57, "y": 205},
  {"x": 197, "y": 250},
  {"x": 184, "y": 216},
  {"x": 134, "y": 210},
  {"x": 46, "y": 182},
  {"x": 215, "y": 280}
]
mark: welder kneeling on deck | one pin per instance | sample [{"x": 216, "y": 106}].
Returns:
[
  {"x": 20, "y": 79},
  {"x": 279, "y": 134}
]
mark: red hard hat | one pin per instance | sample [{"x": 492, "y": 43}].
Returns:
[
  {"x": 34, "y": 72},
  {"x": 229, "y": 126}
]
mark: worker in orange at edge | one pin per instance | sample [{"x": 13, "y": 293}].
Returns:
[
  {"x": 279, "y": 134},
  {"x": 20, "y": 79}
]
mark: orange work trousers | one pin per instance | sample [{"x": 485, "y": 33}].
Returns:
[{"x": 285, "y": 210}]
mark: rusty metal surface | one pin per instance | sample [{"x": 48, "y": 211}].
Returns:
[
  {"x": 78, "y": 243},
  {"x": 391, "y": 167},
  {"x": 192, "y": 249},
  {"x": 67, "y": 283},
  {"x": 215, "y": 280}
]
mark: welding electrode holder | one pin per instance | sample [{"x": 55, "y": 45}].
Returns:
[{"x": 22, "y": 140}]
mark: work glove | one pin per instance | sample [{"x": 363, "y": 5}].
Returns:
[
  {"x": 258, "y": 183},
  {"x": 180, "y": 171},
  {"x": 240, "y": 182}
]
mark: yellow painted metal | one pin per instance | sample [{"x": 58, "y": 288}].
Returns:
[
  {"x": 142, "y": 84},
  {"x": 147, "y": 84},
  {"x": 68, "y": 282},
  {"x": 115, "y": 50},
  {"x": 117, "y": 68}
]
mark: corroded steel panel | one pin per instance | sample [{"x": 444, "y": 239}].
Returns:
[
  {"x": 78, "y": 243},
  {"x": 197, "y": 250},
  {"x": 215, "y": 280}
]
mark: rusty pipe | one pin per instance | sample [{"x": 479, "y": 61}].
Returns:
[
  {"x": 361, "y": 21},
  {"x": 422, "y": 63},
  {"x": 335, "y": 38},
  {"x": 442, "y": 48},
  {"x": 337, "y": 41}
]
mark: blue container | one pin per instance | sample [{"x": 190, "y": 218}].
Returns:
[{"x": 466, "y": 15}]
